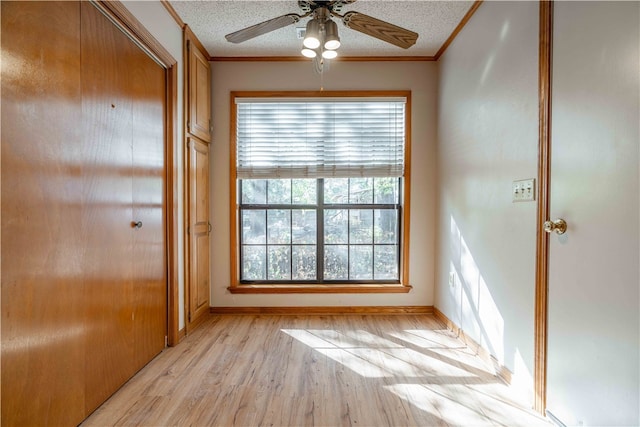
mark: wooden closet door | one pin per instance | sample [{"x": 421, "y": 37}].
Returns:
[
  {"x": 83, "y": 291},
  {"x": 199, "y": 230},
  {"x": 199, "y": 104},
  {"x": 149, "y": 257},
  {"x": 107, "y": 117},
  {"x": 42, "y": 314}
]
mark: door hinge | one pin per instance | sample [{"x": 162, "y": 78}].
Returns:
[
  {"x": 188, "y": 229},
  {"x": 189, "y": 126},
  {"x": 166, "y": 341},
  {"x": 189, "y": 317}
]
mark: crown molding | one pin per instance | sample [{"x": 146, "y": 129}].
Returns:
[
  {"x": 458, "y": 28},
  {"x": 173, "y": 13},
  {"x": 302, "y": 58}
]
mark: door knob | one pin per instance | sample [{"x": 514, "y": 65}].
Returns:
[
  {"x": 559, "y": 226},
  {"x": 137, "y": 224}
]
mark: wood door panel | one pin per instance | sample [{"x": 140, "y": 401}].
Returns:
[
  {"x": 107, "y": 115},
  {"x": 200, "y": 189},
  {"x": 199, "y": 268},
  {"x": 199, "y": 94},
  {"x": 149, "y": 257},
  {"x": 42, "y": 324},
  {"x": 200, "y": 298}
]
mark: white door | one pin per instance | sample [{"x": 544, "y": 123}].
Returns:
[{"x": 593, "y": 320}]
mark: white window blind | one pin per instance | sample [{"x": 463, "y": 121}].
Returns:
[{"x": 320, "y": 138}]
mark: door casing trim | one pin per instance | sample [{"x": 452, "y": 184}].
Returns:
[{"x": 544, "y": 175}]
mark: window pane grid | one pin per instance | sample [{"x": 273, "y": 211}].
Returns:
[{"x": 290, "y": 243}]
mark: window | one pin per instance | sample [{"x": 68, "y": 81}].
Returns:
[{"x": 320, "y": 190}]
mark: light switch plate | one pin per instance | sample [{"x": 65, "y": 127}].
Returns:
[{"x": 524, "y": 190}]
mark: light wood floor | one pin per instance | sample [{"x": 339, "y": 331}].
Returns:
[{"x": 316, "y": 371}]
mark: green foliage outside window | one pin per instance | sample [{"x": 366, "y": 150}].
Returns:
[{"x": 280, "y": 226}]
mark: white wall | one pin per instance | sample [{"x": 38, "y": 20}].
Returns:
[
  {"x": 487, "y": 138},
  {"x": 419, "y": 77},
  {"x": 164, "y": 28}
]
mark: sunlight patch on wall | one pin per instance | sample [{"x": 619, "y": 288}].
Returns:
[
  {"x": 480, "y": 316},
  {"x": 505, "y": 30},
  {"x": 487, "y": 69},
  {"x": 492, "y": 322},
  {"x": 522, "y": 379}
]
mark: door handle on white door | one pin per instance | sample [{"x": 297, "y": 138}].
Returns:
[{"x": 559, "y": 226}]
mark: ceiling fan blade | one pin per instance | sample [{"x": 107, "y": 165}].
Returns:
[
  {"x": 382, "y": 30},
  {"x": 262, "y": 28}
]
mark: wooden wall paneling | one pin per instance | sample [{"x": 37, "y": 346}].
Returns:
[
  {"x": 42, "y": 327},
  {"x": 199, "y": 230},
  {"x": 107, "y": 219},
  {"x": 149, "y": 241}
]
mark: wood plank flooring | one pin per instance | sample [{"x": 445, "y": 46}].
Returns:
[{"x": 355, "y": 370}]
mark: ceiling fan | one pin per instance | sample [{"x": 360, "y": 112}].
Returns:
[{"x": 322, "y": 11}]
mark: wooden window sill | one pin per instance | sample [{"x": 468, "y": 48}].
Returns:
[{"x": 319, "y": 289}]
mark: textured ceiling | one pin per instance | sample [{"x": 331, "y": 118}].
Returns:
[{"x": 211, "y": 20}]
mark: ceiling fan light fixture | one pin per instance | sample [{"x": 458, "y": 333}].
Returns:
[
  {"x": 332, "y": 40},
  {"x": 309, "y": 53},
  {"x": 332, "y": 44},
  {"x": 312, "y": 35},
  {"x": 329, "y": 54}
]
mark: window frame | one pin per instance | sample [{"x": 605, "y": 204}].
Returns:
[{"x": 236, "y": 286}]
